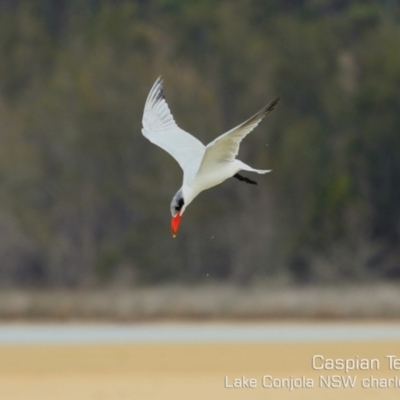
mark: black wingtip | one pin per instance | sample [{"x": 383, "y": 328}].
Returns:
[
  {"x": 245, "y": 179},
  {"x": 160, "y": 92},
  {"x": 271, "y": 106}
]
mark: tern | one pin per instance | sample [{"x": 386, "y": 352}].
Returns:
[{"x": 203, "y": 166}]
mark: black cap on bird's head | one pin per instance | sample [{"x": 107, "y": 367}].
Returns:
[{"x": 177, "y": 206}]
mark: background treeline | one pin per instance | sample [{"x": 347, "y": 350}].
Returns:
[{"x": 84, "y": 198}]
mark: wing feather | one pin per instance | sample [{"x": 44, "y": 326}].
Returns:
[
  {"x": 161, "y": 129},
  {"x": 225, "y": 148}
]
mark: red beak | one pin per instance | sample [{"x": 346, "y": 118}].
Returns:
[{"x": 175, "y": 224}]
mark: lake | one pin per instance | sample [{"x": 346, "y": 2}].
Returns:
[{"x": 100, "y": 333}]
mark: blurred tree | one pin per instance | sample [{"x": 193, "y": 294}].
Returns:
[{"x": 85, "y": 198}]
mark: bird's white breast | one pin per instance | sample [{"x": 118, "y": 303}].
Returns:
[{"x": 213, "y": 177}]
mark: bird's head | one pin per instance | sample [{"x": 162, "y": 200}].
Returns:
[{"x": 177, "y": 208}]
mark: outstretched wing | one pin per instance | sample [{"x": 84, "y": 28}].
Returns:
[
  {"x": 161, "y": 129},
  {"x": 225, "y": 148}
]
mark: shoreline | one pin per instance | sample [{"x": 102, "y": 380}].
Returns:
[{"x": 204, "y": 303}]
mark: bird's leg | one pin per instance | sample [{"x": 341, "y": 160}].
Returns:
[{"x": 244, "y": 179}]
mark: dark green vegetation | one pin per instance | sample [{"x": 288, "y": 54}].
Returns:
[{"x": 84, "y": 198}]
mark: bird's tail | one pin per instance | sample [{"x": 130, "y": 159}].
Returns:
[
  {"x": 246, "y": 167},
  {"x": 260, "y": 171}
]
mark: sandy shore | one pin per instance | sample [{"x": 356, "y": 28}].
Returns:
[{"x": 195, "y": 371}]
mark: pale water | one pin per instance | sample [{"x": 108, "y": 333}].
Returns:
[{"x": 80, "y": 333}]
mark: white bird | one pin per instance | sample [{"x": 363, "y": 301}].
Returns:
[{"x": 203, "y": 166}]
